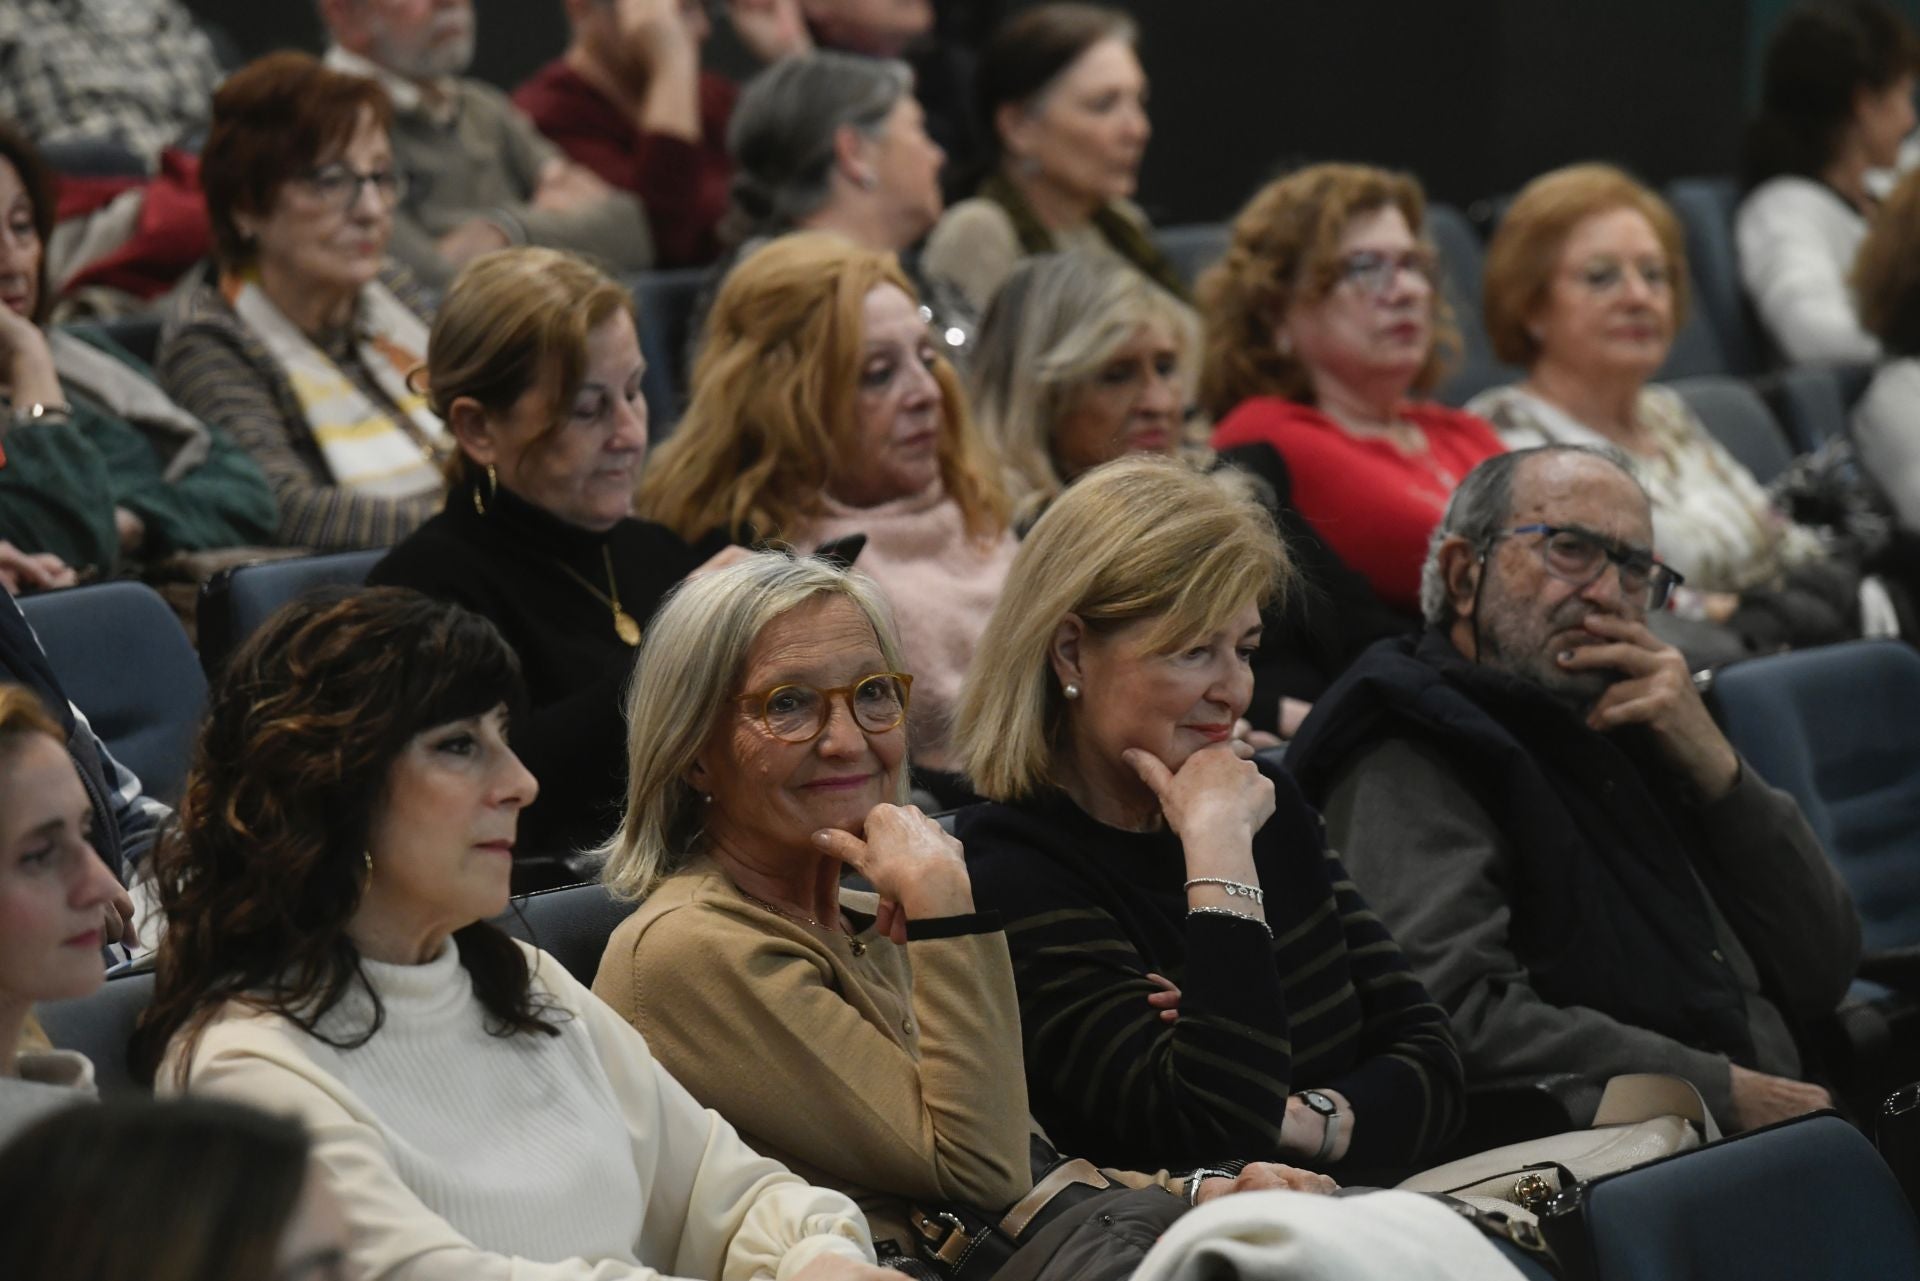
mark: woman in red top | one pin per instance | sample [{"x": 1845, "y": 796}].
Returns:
[{"x": 1322, "y": 320}]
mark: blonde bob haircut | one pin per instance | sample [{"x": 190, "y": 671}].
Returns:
[
  {"x": 1048, "y": 332},
  {"x": 688, "y": 674},
  {"x": 23, "y": 713},
  {"x": 513, "y": 320},
  {"x": 775, "y": 400},
  {"x": 1140, "y": 538},
  {"x": 1285, "y": 249},
  {"x": 1524, "y": 255}
]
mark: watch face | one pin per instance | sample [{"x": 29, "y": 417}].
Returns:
[{"x": 1319, "y": 1102}]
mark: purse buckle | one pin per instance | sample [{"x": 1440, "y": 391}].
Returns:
[
  {"x": 944, "y": 1235},
  {"x": 1533, "y": 1190}
]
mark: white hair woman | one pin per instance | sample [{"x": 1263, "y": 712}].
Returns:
[
  {"x": 770, "y": 754},
  {"x": 1145, "y": 865}
]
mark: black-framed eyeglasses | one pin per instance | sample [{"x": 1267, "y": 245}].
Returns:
[
  {"x": 338, "y": 187},
  {"x": 797, "y": 713},
  {"x": 1579, "y": 556},
  {"x": 1373, "y": 272}
]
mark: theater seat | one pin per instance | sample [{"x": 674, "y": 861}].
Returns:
[
  {"x": 1194, "y": 248},
  {"x": 1706, "y": 207},
  {"x": 125, "y": 661},
  {"x": 1739, "y": 419},
  {"x": 100, "y": 1026},
  {"x": 1808, "y": 1198},
  {"x": 1813, "y": 403},
  {"x": 663, "y": 303},
  {"x": 1838, "y": 728},
  {"x": 573, "y": 923},
  {"x": 1462, "y": 261},
  {"x": 234, "y": 602}
]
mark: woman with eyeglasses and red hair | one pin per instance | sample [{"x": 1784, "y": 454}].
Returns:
[
  {"x": 1586, "y": 285},
  {"x": 1324, "y": 326}
]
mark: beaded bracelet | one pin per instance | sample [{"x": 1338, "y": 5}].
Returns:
[
  {"x": 1227, "y": 911},
  {"x": 1234, "y": 889}
]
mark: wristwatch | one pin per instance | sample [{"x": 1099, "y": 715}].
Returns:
[{"x": 1330, "y": 1112}]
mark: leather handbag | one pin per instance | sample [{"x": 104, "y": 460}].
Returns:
[
  {"x": 1642, "y": 1117},
  {"x": 1075, "y": 1223}
]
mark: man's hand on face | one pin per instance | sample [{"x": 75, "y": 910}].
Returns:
[{"x": 1655, "y": 690}]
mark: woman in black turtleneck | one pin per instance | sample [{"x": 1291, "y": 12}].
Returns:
[{"x": 535, "y": 367}]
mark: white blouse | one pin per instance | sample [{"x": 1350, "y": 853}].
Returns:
[{"x": 1711, "y": 519}]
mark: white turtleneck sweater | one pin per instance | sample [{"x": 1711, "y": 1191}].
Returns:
[{"x": 462, "y": 1156}]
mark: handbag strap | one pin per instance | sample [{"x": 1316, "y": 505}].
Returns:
[
  {"x": 1633, "y": 1097},
  {"x": 1057, "y": 1180}
]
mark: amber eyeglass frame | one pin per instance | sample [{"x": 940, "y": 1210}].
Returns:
[{"x": 759, "y": 702}]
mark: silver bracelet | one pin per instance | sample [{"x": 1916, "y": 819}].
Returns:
[
  {"x": 1227, "y": 911},
  {"x": 1234, "y": 889},
  {"x": 1196, "y": 1177}
]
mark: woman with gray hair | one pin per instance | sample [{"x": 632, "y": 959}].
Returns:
[
  {"x": 769, "y": 753},
  {"x": 836, "y": 142},
  {"x": 1081, "y": 359}
]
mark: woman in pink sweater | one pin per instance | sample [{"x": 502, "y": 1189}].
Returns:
[{"x": 823, "y": 407}]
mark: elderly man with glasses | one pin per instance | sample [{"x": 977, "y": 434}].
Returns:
[
  {"x": 1534, "y": 798},
  {"x": 479, "y": 176}
]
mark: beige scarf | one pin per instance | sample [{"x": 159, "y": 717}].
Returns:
[{"x": 365, "y": 449}]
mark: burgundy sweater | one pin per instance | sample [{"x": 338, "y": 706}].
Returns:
[{"x": 682, "y": 184}]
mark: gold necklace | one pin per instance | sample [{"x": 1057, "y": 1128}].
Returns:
[
  {"x": 858, "y": 948},
  {"x": 623, "y": 625}
]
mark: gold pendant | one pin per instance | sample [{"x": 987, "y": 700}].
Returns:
[{"x": 625, "y": 628}]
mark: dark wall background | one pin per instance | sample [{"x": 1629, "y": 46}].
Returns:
[{"x": 1475, "y": 96}]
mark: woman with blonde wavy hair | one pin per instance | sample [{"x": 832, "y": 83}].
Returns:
[
  {"x": 1324, "y": 330},
  {"x": 822, "y": 408},
  {"x": 53, "y": 892},
  {"x": 534, "y": 366}
]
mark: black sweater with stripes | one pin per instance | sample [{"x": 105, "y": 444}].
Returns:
[{"x": 1329, "y": 1002}]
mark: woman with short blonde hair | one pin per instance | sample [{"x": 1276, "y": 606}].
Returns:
[
  {"x": 1129, "y": 837},
  {"x": 1147, "y": 542},
  {"x": 535, "y": 368},
  {"x": 823, "y": 408},
  {"x": 1586, "y": 286},
  {"x": 1324, "y": 330}
]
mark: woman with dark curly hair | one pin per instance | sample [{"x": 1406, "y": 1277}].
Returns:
[
  {"x": 255, "y": 1206},
  {"x": 346, "y": 834}
]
